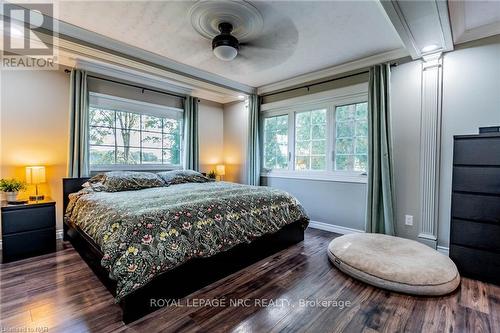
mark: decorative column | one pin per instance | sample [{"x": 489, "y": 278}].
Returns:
[{"x": 430, "y": 141}]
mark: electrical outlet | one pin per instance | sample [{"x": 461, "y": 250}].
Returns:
[{"x": 409, "y": 219}]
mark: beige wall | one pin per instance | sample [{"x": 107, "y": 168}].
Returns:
[
  {"x": 235, "y": 141},
  {"x": 34, "y": 127},
  {"x": 211, "y": 134}
]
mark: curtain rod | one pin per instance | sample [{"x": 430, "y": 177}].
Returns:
[
  {"x": 133, "y": 85},
  {"x": 318, "y": 83},
  {"x": 313, "y": 84}
]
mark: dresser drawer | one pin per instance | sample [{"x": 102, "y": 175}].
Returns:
[
  {"x": 476, "y": 179},
  {"x": 476, "y": 207},
  {"x": 477, "y": 151},
  {"x": 475, "y": 234},
  {"x": 29, "y": 243},
  {"x": 28, "y": 219},
  {"x": 476, "y": 264}
]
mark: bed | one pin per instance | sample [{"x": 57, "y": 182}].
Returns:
[{"x": 169, "y": 241}]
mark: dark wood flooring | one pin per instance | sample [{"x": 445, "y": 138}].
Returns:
[{"x": 59, "y": 292}]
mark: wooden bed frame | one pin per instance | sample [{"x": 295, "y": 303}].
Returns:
[{"x": 184, "y": 279}]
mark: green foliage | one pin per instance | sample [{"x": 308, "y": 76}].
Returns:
[
  {"x": 12, "y": 185},
  {"x": 118, "y": 137},
  {"x": 276, "y": 142},
  {"x": 310, "y": 144},
  {"x": 212, "y": 174},
  {"x": 351, "y": 141},
  {"x": 351, "y": 145}
]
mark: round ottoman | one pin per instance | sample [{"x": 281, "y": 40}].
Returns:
[{"x": 394, "y": 263}]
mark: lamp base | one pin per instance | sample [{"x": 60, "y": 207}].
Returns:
[{"x": 37, "y": 197}]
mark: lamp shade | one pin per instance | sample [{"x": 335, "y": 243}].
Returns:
[
  {"x": 35, "y": 175},
  {"x": 221, "y": 169}
]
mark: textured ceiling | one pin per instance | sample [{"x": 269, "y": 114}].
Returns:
[
  {"x": 305, "y": 35},
  {"x": 479, "y": 13}
]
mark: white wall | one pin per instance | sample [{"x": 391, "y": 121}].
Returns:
[
  {"x": 211, "y": 134},
  {"x": 235, "y": 141},
  {"x": 405, "y": 119},
  {"x": 471, "y": 99},
  {"x": 336, "y": 203}
]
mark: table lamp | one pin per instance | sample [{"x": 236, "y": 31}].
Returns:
[
  {"x": 35, "y": 175},
  {"x": 221, "y": 170}
]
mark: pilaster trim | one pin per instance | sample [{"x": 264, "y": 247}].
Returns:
[{"x": 430, "y": 142}]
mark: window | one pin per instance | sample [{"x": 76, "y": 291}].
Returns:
[
  {"x": 310, "y": 140},
  {"x": 126, "y": 132},
  {"x": 351, "y": 137},
  {"x": 276, "y": 142},
  {"x": 329, "y": 139}
]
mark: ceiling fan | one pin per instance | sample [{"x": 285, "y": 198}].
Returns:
[
  {"x": 237, "y": 31},
  {"x": 225, "y": 46}
]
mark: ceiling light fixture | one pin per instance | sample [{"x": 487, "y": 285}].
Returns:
[
  {"x": 430, "y": 48},
  {"x": 225, "y": 46}
]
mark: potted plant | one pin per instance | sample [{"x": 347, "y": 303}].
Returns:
[
  {"x": 212, "y": 174},
  {"x": 11, "y": 187}
]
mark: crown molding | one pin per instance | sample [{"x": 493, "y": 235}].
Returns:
[
  {"x": 111, "y": 46},
  {"x": 462, "y": 35},
  {"x": 75, "y": 39},
  {"x": 74, "y": 54},
  {"x": 127, "y": 74},
  {"x": 335, "y": 70}
]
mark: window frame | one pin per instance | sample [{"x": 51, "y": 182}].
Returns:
[
  {"x": 119, "y": 104},
  {"x": 326, "y": 100}
]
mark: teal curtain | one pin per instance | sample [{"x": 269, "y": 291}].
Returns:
[
  {"x": 380, "y": 209},
  {"x": 191, "y": 146},
  {"x": 78, "y": 163},
  {"x": 253, "y": 151}
]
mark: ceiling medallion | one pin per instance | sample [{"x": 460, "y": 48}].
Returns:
[{"x": 207, "y": 15}]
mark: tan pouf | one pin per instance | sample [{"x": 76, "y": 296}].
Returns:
[{"x": 394, "y": 263}]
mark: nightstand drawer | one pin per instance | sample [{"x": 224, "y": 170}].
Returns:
[
  {"x": 28, "y": 219},
  {"x": 27, "y": 244}
]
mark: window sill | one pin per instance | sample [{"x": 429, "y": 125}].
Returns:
[{"x": 319, "y": 176}]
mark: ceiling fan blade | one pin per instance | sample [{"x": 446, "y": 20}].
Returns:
[{"x": 274, "y": 45}]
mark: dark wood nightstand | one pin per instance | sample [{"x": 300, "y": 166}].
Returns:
[{"x": 28, "y": 230}]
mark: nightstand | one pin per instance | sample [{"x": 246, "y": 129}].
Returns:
[{"x": 28, "y": 230}]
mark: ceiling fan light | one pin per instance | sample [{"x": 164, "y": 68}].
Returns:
[{"x": 225, "y": 52}]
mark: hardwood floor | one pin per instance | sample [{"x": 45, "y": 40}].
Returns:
[{"x": 59, "y": 293}]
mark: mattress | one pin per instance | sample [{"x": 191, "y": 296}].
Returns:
[{"x": 146, "y": 232}]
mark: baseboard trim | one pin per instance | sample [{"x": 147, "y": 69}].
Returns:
[
  {"x": 59, "y": 235},
  {"x": 345, "y": 231},
  {"x": 333, "y": 228},
  {"x": 444, "y": 250}
]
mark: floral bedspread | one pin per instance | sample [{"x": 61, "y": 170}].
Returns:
[{"x": 146, "y": 232}]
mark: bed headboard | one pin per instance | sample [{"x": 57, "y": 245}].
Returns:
[{"x": 71, "y": 185}]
